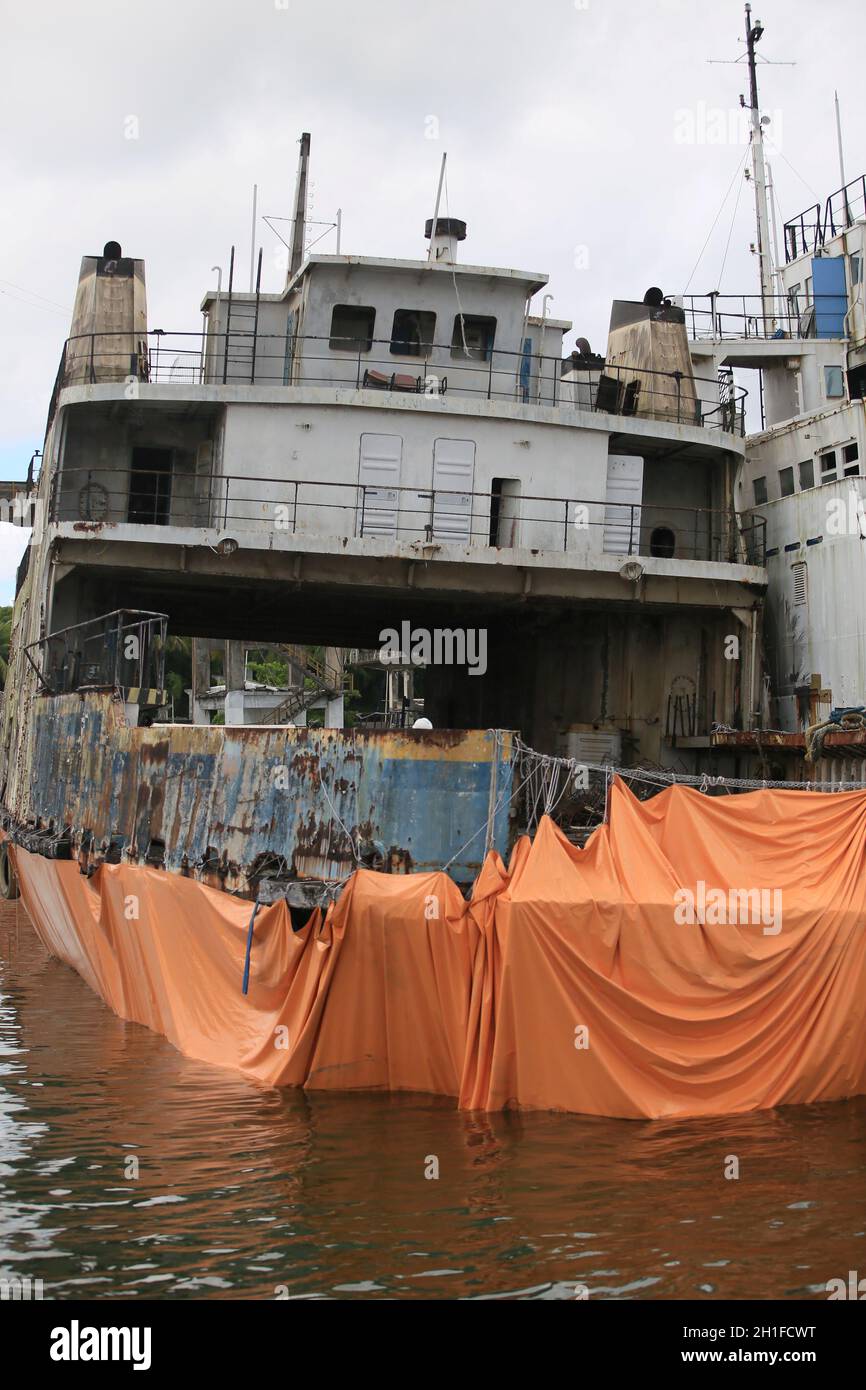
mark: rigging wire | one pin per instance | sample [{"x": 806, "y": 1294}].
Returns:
[
  {"x": 740, "y": 163},
  {"x": 730, "y": 232},
  {"x": 33, "y": 294},
  {"x": 770, "y": 141}
]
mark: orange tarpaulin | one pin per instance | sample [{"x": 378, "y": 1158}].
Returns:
[{"x": 702, "y": 955}]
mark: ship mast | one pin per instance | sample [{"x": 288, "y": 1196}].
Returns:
[{"x": 753, "y": 34}]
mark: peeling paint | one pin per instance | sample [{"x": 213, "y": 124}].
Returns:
[{"x": 303, "y": 799}]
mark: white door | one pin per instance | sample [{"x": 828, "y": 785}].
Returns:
[
  {"x": 379, "y": 481},
  {"x": 622, "y": 504},
  {"x": 453, "y": 478}
]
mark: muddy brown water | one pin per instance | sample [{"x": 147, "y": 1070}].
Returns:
[{"x": 130, "y": 1171}]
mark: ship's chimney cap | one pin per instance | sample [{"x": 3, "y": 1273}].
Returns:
[
  {"x": 111, "y": 251},
  {"x": 446, "y": 226}
]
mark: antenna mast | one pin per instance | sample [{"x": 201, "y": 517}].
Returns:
[
  {"x": 753, "y": 34},
  {"x": 839, "y": 139}
]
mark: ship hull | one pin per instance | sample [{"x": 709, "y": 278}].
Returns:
[{"x": 568, "y": 981}]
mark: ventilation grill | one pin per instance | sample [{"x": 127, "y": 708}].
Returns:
[{"x": 799, "y": 572}]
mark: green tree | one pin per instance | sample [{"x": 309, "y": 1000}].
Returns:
[{"x": 178, "y": 668}]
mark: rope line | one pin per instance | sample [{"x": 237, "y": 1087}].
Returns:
[{"x": 703, "y": 781}]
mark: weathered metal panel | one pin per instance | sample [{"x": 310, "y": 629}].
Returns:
[{"x": 220, "y": 799}]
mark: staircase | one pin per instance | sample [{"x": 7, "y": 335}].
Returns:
[{"x": 318, "y": 680}]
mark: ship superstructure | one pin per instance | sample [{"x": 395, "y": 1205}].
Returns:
[
  {"x": 381, "y": 446},
  {"x": 805, "y": 333}
]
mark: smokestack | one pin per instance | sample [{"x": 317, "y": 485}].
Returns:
[
  {"x": 108, "y": 334},
  {"x": 443, "y": 242},
  {"x": 299, "y": 222}
]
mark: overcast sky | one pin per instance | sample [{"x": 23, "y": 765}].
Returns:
[{"x": 589, "y": 139}]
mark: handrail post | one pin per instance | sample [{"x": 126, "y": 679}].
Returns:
[{"x": 630, "y": 527}]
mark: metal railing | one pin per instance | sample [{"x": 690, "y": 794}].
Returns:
[
  {"x": 120, "y": 650},
  {"x": 738, "y": 316},
  {"x": 815, "y": 225},
  {"x": 430, "y": 516},
  {"x": 244, "y": 358}
]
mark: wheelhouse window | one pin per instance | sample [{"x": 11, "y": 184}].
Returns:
[
  {"x": 851, "y": 461},
  {"x": 413, "y": 332},
  {"x": 807, "y": 474},
  {"x": 352, "y": 328},
  {"x": 786, "y": 481},
  {"x": 760, "y": 488},
  {"x": 150, "y": 487},
  {"x": 833, "y": 383},
  {"x": 827, "y": 465},
  {"x": 473, "y": 337}
]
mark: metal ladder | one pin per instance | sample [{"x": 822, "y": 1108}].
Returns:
[{"x": 242, "y": 327}]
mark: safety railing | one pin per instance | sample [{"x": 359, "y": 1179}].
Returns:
[
  {"x": 739, "y": 316},
  {"x": 120, "y": 650},
  {"x": 244, "y": 358},
  {"x": 319, "y": 507},
  {"x": 814, "y": 226}
]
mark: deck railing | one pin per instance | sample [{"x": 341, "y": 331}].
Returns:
[
  {"x": 386, "y": 366},
  {"x": 738, "y": 316},
  {"x": 244, "y": 503},
  {"x": 124, "y": 649},
  {"x": 811, "y": 229}
]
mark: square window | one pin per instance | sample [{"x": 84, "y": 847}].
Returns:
[
  {"x": 352, "y": 328},
  {"x": 760, "y": 486},
  {"x": 478, "y": 331},
  {"x": 827, "y": 465},
  {"x": 807, "y": 474},
  {"x": 786, "y": 481},
  {"x": 413, "y": 332},
  {"x": 833, "y": 383}
]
